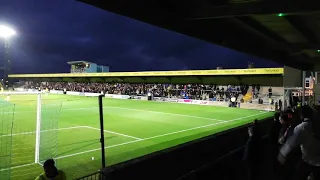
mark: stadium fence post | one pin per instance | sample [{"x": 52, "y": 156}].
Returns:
[{"x": 103, "y": 155}]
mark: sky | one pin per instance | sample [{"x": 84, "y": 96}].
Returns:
[{"x": 52, "y": 32}]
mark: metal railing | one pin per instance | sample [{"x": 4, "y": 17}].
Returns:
[{"x": 95, "y": 176}]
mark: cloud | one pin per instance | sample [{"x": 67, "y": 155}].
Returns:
[{"x": 52, "y": 32}]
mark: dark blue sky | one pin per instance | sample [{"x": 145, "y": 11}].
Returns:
[{"x": 52, "y": 32}]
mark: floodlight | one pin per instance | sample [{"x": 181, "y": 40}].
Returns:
[{"x": 6, "y": 32}]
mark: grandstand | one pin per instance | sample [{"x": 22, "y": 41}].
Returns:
[{"x": 63, "y": 122}]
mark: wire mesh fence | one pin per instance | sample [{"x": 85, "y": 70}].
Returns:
[{"x": 6, "y": 126}]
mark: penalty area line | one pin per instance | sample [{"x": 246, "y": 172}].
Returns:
[
  {"x": 33, "y": 132},
  {"x": 112, "y": 132},
  {"x": 19, "y": 166}
]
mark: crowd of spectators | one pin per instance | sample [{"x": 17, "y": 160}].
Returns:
[
  {"x": 293, "y": 146},
  {"x": 190, "y": 91}
]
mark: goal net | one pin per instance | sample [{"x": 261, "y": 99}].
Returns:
[
  {"x": 6, "y": 125},
  {"x": 47, "y": 133},
  {"x": 34, "y": 131}
]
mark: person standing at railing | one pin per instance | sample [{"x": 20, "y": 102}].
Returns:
[
  {"x": 273, "y": 136},
  {"x": 252, "y": 152}
]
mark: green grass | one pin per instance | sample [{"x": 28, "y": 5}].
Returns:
[{"x": 133, "y": 129}]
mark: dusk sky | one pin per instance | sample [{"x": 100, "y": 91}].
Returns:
[{"x": 53, "y": 32}]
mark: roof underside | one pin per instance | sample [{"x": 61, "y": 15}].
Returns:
[{"x": 250, "y": 26}]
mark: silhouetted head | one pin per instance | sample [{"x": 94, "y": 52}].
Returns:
[
  {"x": 284, "y": 118},
  {"x": 306, "y": 112},
  {"x": 276, "y": 116},
  {"x": 49, "y": 168}
]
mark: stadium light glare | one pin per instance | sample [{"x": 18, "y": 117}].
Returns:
[{"x": 6, "y": 32}]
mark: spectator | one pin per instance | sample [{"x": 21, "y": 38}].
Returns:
[
  {"x": 273, "y": 144},
  {"x": 286, "y": 128},
  {"x": 294, "y": 156},
  {"x": 252, "y": 153},
  {"x": 51, "y": 172},
  {"x": 270, "y": 92},
  {"x": 280, "y": 104},
  {"x": 307, "y": 136},
  {"x": 274, "y": 134}
]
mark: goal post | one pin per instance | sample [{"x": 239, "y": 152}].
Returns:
[{"x": 38, "y": 129}]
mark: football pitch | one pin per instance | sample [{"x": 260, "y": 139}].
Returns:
[{"x": 132, "y": 129}]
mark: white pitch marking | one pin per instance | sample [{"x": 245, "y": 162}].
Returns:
[
  {"x": 141, "y": 110},
  {"x": 33, "y": 132},
  {"x": 93, "y": 150},
  {"x": 158, "y": 112},
  {"x": 19, "y": 166},
  {"x": 112, "y": 132}
]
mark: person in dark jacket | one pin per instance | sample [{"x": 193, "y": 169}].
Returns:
[
  {"x": 273, "y": 136},
  {"x": 285, "y": 126},
  {"x": 275, "y": 130},
  {"x": 252, "y": 153}
]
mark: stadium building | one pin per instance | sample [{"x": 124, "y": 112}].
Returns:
[{"x": 86, "y": 67}]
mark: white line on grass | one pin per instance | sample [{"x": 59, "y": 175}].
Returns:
[
  {"x": 144, "y": 139},
  {"x": 158, "y": 112},
  {"x": 33, "y": 132},
  {"x": 19, "y": 166},
  {"x": 93, "y": 150},
  {"x": 141, "y": 110},
  {"x": 166, "y": 113},
  {"x": 112, "y": 132}
]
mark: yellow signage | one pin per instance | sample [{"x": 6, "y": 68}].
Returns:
[{"x": 220, "y": 72}]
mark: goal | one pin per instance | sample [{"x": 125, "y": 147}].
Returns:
[{"x": 45, "y": 131}]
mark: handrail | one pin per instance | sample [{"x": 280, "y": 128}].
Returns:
[{"x": 94, "y": 176}]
